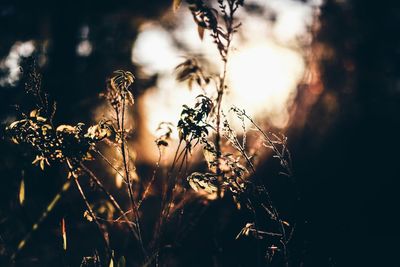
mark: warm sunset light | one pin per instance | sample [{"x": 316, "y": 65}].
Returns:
[
  {"x": 187, "y": 133},
  {"x": 263, "y": 79},
  {"x": 263, "y": 70}
]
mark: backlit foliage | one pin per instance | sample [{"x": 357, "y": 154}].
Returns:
[
  {"x": 230, "y": 166},
  {"x": 65, "y": 143}
]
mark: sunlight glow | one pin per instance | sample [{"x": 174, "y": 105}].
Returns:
[
  {"x": 166, "y": 101},
  {"x": 293, "y": 18},
  {"x": 264, "y": 69},
  {"x": 154, "y": 50},
  {"x": 263, "y": 78}
]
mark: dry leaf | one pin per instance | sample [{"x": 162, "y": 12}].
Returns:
[
  {"x": 42, "y": 165},
  {"x": 64, "y": 233},
  {"x": 21, "y": 195}
]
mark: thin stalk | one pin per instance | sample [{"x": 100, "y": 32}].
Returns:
[
  {"x": 167, "y": 198},
  {"x": 44, "y": 215},
  {"x": 128, "y": 180},
  {"x": 272, "y": 144},
  {"x": 220, "y": 94},
  {"x": 111, "y": 198},
  {"x": 109, "y": 163},
  {"x": 184, "y": 160},
  {"x": 101, "y": 230},
  {"x": 288, "y": 169},
  {"x": 170, "y": 183},
  {"x": 153, "y": 178},
  {"x": 274, "y": 213},
  {"x": 218, "y": 129}
]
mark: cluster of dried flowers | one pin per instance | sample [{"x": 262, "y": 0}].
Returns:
[{"x": 65, "y": 143}]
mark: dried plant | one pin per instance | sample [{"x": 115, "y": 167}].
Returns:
[
  {"x": 230, "y": 172},
  {"x": 66, "y": 143},
  {"x": 227, "y": 171}
]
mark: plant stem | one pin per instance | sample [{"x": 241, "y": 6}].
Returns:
[
  {"x": 220, "y": 94},
  {"x": 272, "y": 144},
  {"x": 153, "y": 178},
  {"x": 44, "y": 215},
  {"x": 101, "y": 230},
  {"x": 111, "y": 198},
  {"x": 128, "y": 180}
]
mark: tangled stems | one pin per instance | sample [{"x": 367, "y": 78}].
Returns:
[
  {"x": 228, "y": 19},
  {"x": 72, "y": 144},
  {"x": 123, "y": 92},
  {"x": 111, "y": 198},
  {"x": 94, "y": 218}
]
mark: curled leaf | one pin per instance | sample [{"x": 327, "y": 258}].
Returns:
[
  {"x": 66, "y": 128},
  {"x": 122, "y": 80},
  {"x": 203, "y": 181}
]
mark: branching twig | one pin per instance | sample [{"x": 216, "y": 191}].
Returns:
[
  {"x": 111, "y": 198},
  {"x": 90, "y": 210}
]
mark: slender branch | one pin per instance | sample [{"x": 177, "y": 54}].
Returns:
[
  {"x": 272, "y": 211},
  {"x": 109, "y": 163},
  {"x": 218, "y": 128},
  {"x": 128, "y": 180},
  {"x": 153, "y": 178},
  {"x": 111, "y": 198},
  {"x": 92, "y": 214},
  {"x": 220, "y": 94},
  {"x": 272, "y": 144}
]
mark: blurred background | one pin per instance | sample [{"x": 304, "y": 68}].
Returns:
[{"x": 325, "y": 73}]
